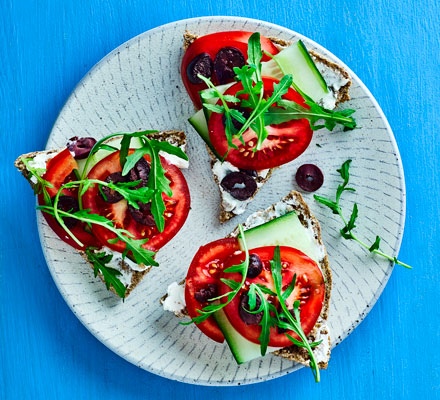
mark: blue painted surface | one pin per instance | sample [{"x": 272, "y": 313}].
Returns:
[{"x": 45, "y": 352}]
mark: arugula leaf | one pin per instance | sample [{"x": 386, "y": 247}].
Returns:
[
  {"x": 289, "y": 289},
  {"x": 279, "y": 89},
  {"x": 288, "y": 110},
  {"x": 231, "y": 283},
  {"x": 265, "y": 322},
  {"x": 255, "y": 54},
  {"x": 229, "y": 127},
  {"x": 125, "y": 147},
  {"x": 298, "y": 343},
  {"x": 132, "y": 159},
  {"x": 41, "y": 185},
  {"x": 168, "y": 148},
  {"x": 157, "y": 183},
  {"x": 295, "y": 322},
  {"x": 110, "y": 275},
  {"x": 252, "y": 295},
  {"x": 140, "y": 254},
  {"x": 375, "y": 245},
  {"x": 347, "y": 230}
]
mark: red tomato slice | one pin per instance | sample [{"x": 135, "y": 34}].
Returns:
[
  {"x": 309, "y": 289},
  {"x": 177, "y": 207},
  {"x": 284, "y": 143},
  {"x": 211, "y": 44},
  {"x": 59, "y": 171},
  {"x": 205, "y": 269}
]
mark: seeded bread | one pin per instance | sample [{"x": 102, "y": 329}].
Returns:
[
  {"x": 294, "y": 201},
  {"x": 176, "y": 138},
  {"x": 342, "y": 96}
]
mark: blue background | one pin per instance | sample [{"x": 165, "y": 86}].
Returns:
[{"x": 46, "y": 48}]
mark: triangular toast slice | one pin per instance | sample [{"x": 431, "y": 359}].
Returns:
[
  {"x": 229, "y": 206},
  {"x": 174, "y": 299},
  {"x": 131, "y": 272}
]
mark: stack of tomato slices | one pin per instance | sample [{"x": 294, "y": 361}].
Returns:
[
  {"x": 285, "y": 141},
  {"x": 207, "y": 268},
  {"x": 61, "y": 170}
]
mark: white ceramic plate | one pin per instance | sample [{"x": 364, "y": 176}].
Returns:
[{"x": 138, "y": 86}]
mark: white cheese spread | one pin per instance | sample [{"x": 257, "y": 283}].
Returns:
[
  {"x": 172, "y": 159},
  {"x": 334, "y": 81},
  {"x": 230, "y": 203},
  {"x": 40, "y": 160},
  {"x": 175, "y": 300}
]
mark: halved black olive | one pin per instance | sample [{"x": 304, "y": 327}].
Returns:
[
  {"x": 142, "y": 215},
  {"x": 255, "y": 266},
  {"x": 200, "y": 64},
  {"x": 237, "y": 125},
  {"x": 110, "y": 195},
  {"x": 225, "y": 60},
  {"x": 140, "y": 171},
  {"x": 68, "y": 204},
  {"x": 240, "y": 185},
  {"x": 243, "y": 308},
  {"x": 206, "y": 293},
  {"x": 309, "y": 177},
  {"x": 81, "y": 147}
]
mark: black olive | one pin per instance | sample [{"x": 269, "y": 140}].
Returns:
[
  {"x": 225, "y": 60},
  {"x": 68, "y": 204},
  {"x": 237, "y": 125},
  {"x": 243, "y": 308},
  {"x": 255, "y": 266},
  {"x": 140, "y": 172},
  {"x": 200, "y": 64},
  {"x": 206, "y": 293},
  {"x": 142, "y": 215},
  {"x": 309, "y": 177},
  {"x": 250, "y": 172},
  {"x": 240, "y": 185},
  {"x": 81, "y": 147},
  {"x": 110, "y": 195}
]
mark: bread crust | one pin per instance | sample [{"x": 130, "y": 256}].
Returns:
[{"x": 176, "y": 138}]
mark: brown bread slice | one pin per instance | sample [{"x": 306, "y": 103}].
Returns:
[
  {"x": 342, "y": 96},
  {"x": 294, "y": 201},
  {"x": 176, "y": 138}
]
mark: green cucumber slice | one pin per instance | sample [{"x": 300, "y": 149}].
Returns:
[
  {"x": 285, "y": 230},
  {"x": 242, "y": 349},
  {"x": 296, "y": 60},
  {"x": 198, "y": 121}
]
